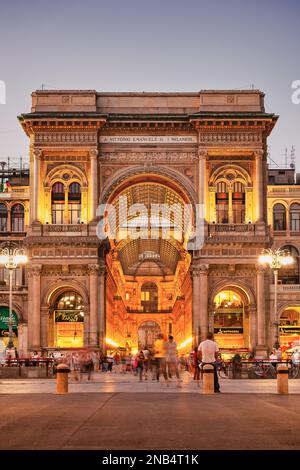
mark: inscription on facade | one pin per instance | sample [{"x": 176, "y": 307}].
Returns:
[{"x": 147, "y": 139}]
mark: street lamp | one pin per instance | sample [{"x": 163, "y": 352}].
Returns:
[
  {"x": 11, "y": 258},
  {"x": 276, "y": 260}
]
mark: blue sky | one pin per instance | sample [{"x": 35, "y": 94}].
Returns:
[{"x": 166, "y": 45}]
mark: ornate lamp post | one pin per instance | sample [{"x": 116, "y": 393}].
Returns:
[
  {"x": 276, "y": 260},
  {"x": 11, "y": 258}
]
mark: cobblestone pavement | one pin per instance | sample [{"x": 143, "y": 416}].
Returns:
[{"x": 116, "y": 383}]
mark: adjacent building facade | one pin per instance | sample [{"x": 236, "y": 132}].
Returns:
[{"x": 134, "y": 152}]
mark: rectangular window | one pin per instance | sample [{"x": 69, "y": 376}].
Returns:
[
  {"x": 74, "y": 213},
  {"x": 58, "y": 214},
  {"x": 295, "y": 222}
]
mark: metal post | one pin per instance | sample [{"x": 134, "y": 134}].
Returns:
[
  {"x": 276, "y": 323},
  {"x": 10, "y": 344}
]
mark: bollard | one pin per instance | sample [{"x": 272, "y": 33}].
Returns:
[
  {"x": 208, "y": 379},
  {"x": 282, "y": 379},
  {"x": 62, "y": 372}
]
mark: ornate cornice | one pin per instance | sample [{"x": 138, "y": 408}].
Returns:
[{"x": 139, "y": 157}]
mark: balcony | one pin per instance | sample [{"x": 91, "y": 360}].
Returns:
[
  {"x": 240, "y": 233},
  {"x": 150, "y": 312},
  {"x": 285, "y": 288},
  {"x": 13, "y": 235}
]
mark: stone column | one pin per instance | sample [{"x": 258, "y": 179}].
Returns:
[
  {"x": 249, "y": 205},
  {"x": 212, "y": 205},
  {"x": 44, "y": 326},
  {"x": 48, "y": 205},
  {"x": 261, "y": 308},
  {"x": 230, "y": 207},
  {"x": 66, "y": 205},
  {"x": 93, "y": 183},
  {"x": 252, "y": 329},
  {"x": 94, "y": 333},
  {"x": 202, "y": 178},
  {"x": 102, "y": 309},
  {"x": 37, "y": 153},
  {"x": 34, "y": 319},
  {"x": 259, "y": 188},
  {"x": 200, "y": 302},
  {"x": 195, "y": 272},
  {"x": 203, "y": 301}
]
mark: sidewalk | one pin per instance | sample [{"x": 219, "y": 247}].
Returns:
[{"x": 128, "y": 383}]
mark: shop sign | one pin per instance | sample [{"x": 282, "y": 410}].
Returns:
[
  {"x": 290, "y": 329},
  {"x": 230, "y": 331},
  {"x": 67, "y": 316},
  {"x": 4, "y": 319}
]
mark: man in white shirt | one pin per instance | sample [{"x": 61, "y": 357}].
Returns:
[
  {"x": 208, "y": 351},
  {"x": 296, "y": 357}
]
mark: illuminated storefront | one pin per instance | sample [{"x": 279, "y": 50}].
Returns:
[
  {"x": 289, "y": 327},
  {"x": 68, "y": 321},
  {"x": 229, "y": 320}
]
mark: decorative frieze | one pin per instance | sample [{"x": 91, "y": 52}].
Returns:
[
  {"x": 229, "y": 137},
  {"x": 62, "y": 138}
]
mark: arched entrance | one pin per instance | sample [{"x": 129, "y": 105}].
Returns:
[
  {"x": 289, "y": 327},
  {"x": 147, "y": 334},
  {"x": 231, "y": 318},
  {"x": 66, "y": 321},
  {"x": 148, "y": 224}
]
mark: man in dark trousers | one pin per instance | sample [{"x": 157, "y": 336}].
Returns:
[{"x": 208, "y": 351}]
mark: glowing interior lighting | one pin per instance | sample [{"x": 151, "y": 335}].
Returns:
[
  {"x": 185, "y": 343},
  {"x": 111, "y": 342}
]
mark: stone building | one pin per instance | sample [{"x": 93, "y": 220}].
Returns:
[{"x": 202, "y": 150}]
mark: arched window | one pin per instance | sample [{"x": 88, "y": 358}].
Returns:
[
  {"x": 74, "y": 203},
  {"x": 67, "y": 321},
  {"x": 149, "y": 297},
  {"x": 230, "y": 200},
  {"x": 238, "y": 203},
  {"x": 222, "y": 203},
  {"x": 295, "y": 217},
  {"x": 290, "y": 274},
  {"x": 58, "y": 203},
  {"x": 3, "y": 218},
  {"x": 279, "y": 217},
  {"x": 17, "y": 218}
]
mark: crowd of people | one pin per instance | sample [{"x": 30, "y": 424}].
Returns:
[{"x": 161, "y": 361}]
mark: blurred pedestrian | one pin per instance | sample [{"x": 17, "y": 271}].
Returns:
[
  {"x": 160, "y": 358},
  {"x": 140, "y": 359},
  {"x": 172, "y": 359}
]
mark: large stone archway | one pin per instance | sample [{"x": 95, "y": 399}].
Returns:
[{"x": 143, "y": 260}]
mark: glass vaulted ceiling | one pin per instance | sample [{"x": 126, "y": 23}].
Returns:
[{"x": 150, "y": 224}]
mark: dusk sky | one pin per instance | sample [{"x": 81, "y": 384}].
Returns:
[{"x": 157, "y": 45}]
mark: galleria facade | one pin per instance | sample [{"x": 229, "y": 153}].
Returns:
[{"x": 205, "y": 149}]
